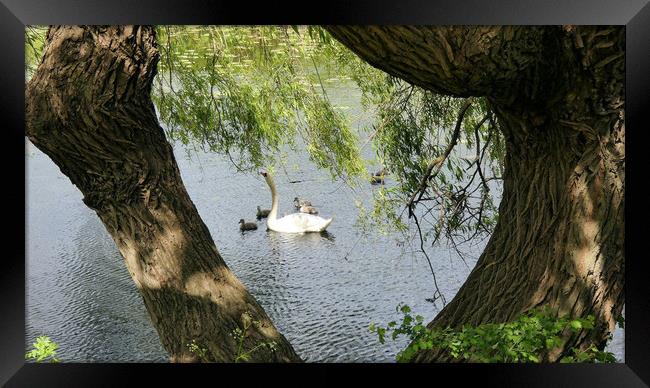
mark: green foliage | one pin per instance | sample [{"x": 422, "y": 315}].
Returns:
[
  {"x": 526, "y": 339},
  {"x": 241, "y": 334},
  {"x": 412, "y": 127},
  {"x": 415, "y": 127},
  {"x": 591, "y": 354},
  {"x": 383, "y": 217},
  {"x": 43, "y": 349},
  {"x": 246, "y": 92}
]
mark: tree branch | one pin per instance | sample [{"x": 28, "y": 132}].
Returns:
[
  {"x": 437, "y": 163},
  {"x": 461, "y": 61},
  {"x": 437, "y": 294}
]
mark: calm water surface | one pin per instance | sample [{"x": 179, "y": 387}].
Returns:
[{"x": 322, "y": 292}]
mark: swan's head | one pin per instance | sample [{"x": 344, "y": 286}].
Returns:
[
  {"x": 241, "y": 221},
  {"x": 267, "y": 177},
  {"x": 296, "y": 199}
]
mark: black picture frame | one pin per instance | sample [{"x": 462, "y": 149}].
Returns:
[{"x": 15, "y": 14}]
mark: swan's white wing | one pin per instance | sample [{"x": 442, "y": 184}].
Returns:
[{"x": 303, "y": 222}]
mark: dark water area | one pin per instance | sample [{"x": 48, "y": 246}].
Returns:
[{"x": 321, "y": 291}]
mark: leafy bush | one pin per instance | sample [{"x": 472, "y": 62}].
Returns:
[
  {"x": 522, "y": 340},
  {"x": 44, "y": 349}
]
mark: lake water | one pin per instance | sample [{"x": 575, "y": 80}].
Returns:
[{"x": 321, "y": 292}]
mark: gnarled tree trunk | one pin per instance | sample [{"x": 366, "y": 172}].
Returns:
[
  {"x": 559, "y": 98},
  {"x": 89, "y": 109}
]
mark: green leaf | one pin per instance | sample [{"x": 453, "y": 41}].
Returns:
[
  {"x": 550, "y": 343},
  {"x": 381, "y": 332},
  {"x": 521, "y": 340},
  {"x": 576, "y": 325}
]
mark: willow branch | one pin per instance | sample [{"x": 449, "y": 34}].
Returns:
[
  {"x": 437, "y": 294},
  {"x": 478, "y": 150},
  {"x": 438, "y": 162}
]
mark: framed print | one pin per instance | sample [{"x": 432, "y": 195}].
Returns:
[{"x": 401, "y": 189}]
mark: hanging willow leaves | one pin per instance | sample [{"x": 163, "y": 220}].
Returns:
[{"x": 247, "y": 92}]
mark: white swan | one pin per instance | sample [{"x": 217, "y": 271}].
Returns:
[{"x": 292, "y": 223}]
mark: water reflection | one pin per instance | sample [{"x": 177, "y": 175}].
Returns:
[{"x": 297, "y": 239}]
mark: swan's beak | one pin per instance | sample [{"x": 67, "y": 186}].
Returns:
[{"x": 263, "y": 173}]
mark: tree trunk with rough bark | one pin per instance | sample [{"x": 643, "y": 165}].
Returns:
[
  {"x": 558, "y": 93},
  {"x": 88, "y": 107}
]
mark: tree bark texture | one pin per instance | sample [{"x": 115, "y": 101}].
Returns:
[
  {"x": 88, "y": 107},
  {"x": 558, "y": 93}
]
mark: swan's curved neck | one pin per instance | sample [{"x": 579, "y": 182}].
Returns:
[{"x": 274, "y": 196}]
